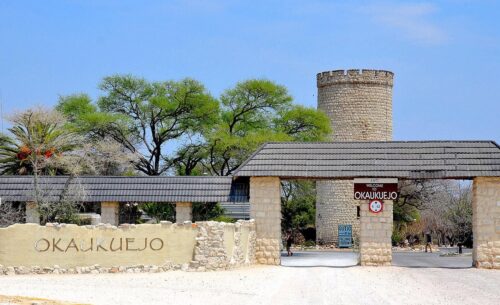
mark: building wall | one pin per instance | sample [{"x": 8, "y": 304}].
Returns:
[{"x": 359, "y": 105}]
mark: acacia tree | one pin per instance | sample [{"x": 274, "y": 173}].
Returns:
[
  {"x": 252, "y": 113},
  {"x": 146, "y": 118},
  {"x": 442, "y": 207}
]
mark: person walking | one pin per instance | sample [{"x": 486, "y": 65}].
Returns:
[
  {"x": 289, "y": 240},
  {"x": 428, "y": 241}
]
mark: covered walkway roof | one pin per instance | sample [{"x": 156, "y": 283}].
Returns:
[
  {"x": 128, "y": 189},
  {"x": 339, "y": 160},
  {"x": 346, "y": 160}
]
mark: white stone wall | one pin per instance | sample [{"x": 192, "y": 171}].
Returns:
[
  {"x": 486, "y": 222},
  {"x": 375, "y": 236},
  {"x": 265, "y": 209},
  {"x": 359, "y": 106},
  {"x": 222, "y": 246},
  {"x": 72, "y": 249}
]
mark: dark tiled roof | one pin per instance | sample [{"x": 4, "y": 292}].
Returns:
[
  {"x": 343, "y": 160},
  {"x": 129, "y": 189}
]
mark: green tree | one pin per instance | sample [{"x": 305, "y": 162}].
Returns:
[
  {"x": 298, "y": 206},
  {"x": 207, "y": 211},
  {"x": 37, "y": 137},
  {"x": 146, "y": 118},
  {"x": 252, "y": 113},
  {"x": 159, "y": 211},
  {"x": 40, "y": 145}
]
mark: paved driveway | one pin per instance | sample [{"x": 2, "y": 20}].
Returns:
[
  {"x": 401, "y": 259},
  {"x": 320, "y": 259}
]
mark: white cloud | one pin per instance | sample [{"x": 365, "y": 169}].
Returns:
[{"x": 414, "y": 21}]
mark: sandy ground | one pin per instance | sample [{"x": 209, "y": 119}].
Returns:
[
  {"x": 15, "y": 300},
  {"x": 269, "y": 285}
]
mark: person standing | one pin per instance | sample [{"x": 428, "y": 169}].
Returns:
[
  {"x": 428, "y": 241},
  {"x": 289, "y": 240}
]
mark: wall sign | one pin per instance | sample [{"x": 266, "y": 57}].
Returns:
[
  {"x": 376, "y": 188},
  {"x": 376, "y": 206},
  {"x": 345, "y": 236}
]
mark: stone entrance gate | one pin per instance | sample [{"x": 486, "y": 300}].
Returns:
[{"x": 476, "y": 160}]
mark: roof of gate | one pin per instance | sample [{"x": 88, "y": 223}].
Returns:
[
  {"x": 345, "y": 160},
  {"x": 127, "y": 189}
]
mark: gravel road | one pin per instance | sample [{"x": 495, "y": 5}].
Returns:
[{"x": 269, "y": 285}]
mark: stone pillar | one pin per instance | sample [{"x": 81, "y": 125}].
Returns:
[
  {"x": 183, "y": 212},
  {"x": 375, "y": 235},
  {"x": 110, "y": 212},
  {"x": 265, "y": 209},
  {"x": 32, "y": 215},
  {"x": 486, "y": 222}
]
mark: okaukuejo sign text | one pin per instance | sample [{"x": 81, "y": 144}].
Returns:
[
  {"x": 375, "y": 188},
  {"x": 98, "y": 244}
]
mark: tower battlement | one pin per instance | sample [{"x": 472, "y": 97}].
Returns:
[{"x": 355, "y": 76}]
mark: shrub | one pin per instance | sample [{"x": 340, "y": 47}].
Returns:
[
  {"x": 309, "y": 243},
  {"x": 224, "y": 218}
]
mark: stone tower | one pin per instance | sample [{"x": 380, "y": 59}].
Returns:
[{"x": 359, "y": 105}]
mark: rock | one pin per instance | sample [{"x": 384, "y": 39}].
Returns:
[
  {"x": 22, "y": 270},
  {"x": 154, "y": 269},
  {"x": 10, "y": 271}
]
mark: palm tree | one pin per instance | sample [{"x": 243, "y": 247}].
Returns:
[{"x": 39, "y": 138}]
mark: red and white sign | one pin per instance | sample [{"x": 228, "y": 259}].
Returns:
[
  {"x": 376, "y": 206},
  {"x": 375, "y": 188}
]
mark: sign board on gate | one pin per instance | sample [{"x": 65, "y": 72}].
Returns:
[
  {"x": 345, "y": 236},
  {"x": 376, "y": 188}
]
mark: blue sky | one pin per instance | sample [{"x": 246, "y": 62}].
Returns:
[{"x": 445, "y": 54}]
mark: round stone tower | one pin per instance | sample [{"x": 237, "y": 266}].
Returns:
[{"x": 359, "y": 105}]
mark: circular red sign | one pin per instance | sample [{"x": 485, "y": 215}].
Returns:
[{"x": 376, "y": 206}]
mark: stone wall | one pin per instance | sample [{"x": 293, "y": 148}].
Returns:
[
  {"x": 359, "y": 105},
  {"x": 60, "y": 248},
  {"x": 265, "y": 208},
  {"x": 375, "y": 235},
  {"x": 334, "y": 206},
  {"x": 486, "y": 222},
  {"x": 222, "y": 246}
]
